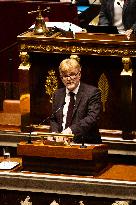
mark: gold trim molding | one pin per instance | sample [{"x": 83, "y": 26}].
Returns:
[{"x": 99, "y": 50}]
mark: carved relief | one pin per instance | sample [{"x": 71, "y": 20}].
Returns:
[
  {"x": 121, "y": 203},
  {"x": 25, "y": 64},
  {"x": 26, "y": 202},
  {"x": 127, "y": 69}
]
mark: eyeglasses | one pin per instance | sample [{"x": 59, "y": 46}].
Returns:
[{"x": 72, "y": 76}]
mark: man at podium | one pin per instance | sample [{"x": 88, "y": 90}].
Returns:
[{"x": 77, "y": 106}]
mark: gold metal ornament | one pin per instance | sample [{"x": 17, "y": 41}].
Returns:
[
  {"x": 40, "y": 26},
  {"x": 25, "y": 64},
  {"x": 104, "y": 88},
  {"x": 76, "y": 57},
  {"x": 51, "y": 84},
  {"x": 26, "y": 202},
  {"x": 127, "y": 69},
  {"x": 95, "y": 21},
  {"x": 121, "y": 202}
]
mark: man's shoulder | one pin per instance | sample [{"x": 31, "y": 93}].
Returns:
[
  {"x": 88, "y": 91},
  {"x": 88, "y": 87}
]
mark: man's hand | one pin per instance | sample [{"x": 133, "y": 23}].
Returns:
[
  {"x": 128, "y": 33},
  {"x": 67, "y": 131}
]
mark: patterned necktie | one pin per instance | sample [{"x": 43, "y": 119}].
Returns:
[{"x": 70, "y": 109}]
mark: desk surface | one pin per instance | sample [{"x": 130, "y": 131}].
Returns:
[{"x": 116, "y": 181}]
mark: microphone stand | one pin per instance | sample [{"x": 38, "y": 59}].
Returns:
[
  {"x": 47, "y": 118},
  {"x": 52, "y": 115},
  {"x": 83, "y": 144},
  {"x": 29, "y": 141}
]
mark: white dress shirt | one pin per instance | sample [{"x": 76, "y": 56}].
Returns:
[{"x": 118, "y": 8}]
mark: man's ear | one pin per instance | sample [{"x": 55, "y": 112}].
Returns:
[{"x": 80, "y": 74}]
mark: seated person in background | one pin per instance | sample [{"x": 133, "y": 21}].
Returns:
[
  {"x": 81, "y": 118},
  {"x": 119, "y": 13}
]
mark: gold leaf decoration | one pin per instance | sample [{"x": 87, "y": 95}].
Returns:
[
  {"x": 104, "y": 87},
  {"x": 51, "y": 84}
]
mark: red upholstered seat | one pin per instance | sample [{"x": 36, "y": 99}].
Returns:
[
  {"x": 11, "y": 114},
  {"x": 11, "y": 106}
]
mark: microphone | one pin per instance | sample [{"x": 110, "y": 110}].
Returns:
[
  {"x": 119, "y": 4},
  {"x": 46, "y": 119},
  {"x": 93, "y": 1},
  {"x": 52, "y": 115}
]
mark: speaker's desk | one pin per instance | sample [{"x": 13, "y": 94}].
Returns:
[{"x": 70, "y": 159}]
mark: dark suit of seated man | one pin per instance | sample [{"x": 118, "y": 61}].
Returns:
[
  {"x": 87, "y": 105},
  {"x": 121, "y": 14}
]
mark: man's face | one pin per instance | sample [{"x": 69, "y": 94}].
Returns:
[{"x": 71, "y": 78}]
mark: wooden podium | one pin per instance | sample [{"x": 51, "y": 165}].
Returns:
[{"x": 70, "y": 159}]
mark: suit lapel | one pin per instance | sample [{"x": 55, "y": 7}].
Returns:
[
  {"x": 111, "y": 8},
  {"x": 78, "y": 98},
  {"x": 125, "y": 7},
  {"x": 62, "y": 97}
]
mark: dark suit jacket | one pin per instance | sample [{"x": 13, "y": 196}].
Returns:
[
  {"x": 106, "y": 14},
  {"x": 85, "y": 115}
]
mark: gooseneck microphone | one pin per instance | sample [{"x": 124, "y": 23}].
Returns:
[
  {"x": 93, "y": 2},
  {"x": 45, "y": 120},
  {"x": 52, "y": 115},
  {"x": 119, "y": 4}
]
